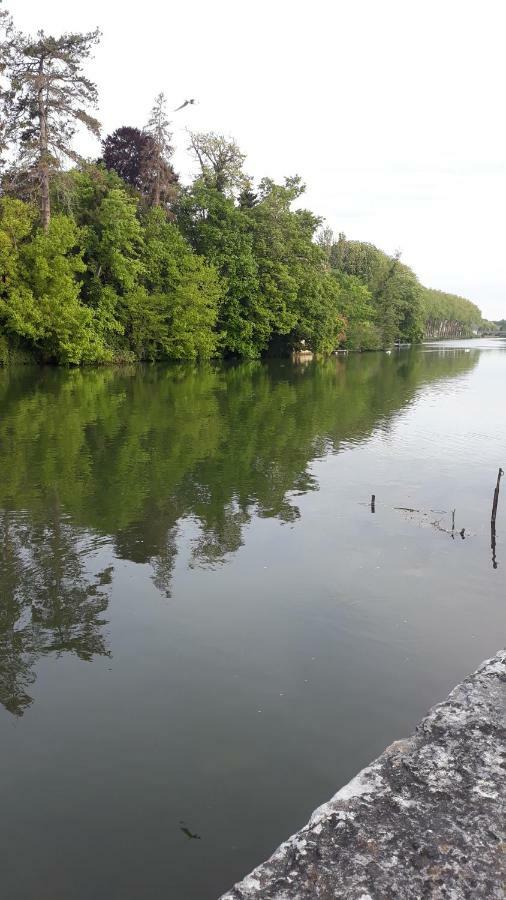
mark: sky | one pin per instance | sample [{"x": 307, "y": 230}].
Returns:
[{"x": 392, "y": 111}]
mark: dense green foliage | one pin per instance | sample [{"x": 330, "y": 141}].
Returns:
[
  {"x": 392, "y": 308},
  {"x": 116, "y": 260},
  {"x": 102, "y": 285}
]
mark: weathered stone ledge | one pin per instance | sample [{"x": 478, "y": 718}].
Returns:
[{"x": 426, "y": 820}]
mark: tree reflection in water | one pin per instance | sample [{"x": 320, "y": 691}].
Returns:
[
  {"x": 128, "y": 455},
  {"x": 49, "y": 604}
]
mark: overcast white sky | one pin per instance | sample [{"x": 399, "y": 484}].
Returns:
[{"x": 392, "y": 111}]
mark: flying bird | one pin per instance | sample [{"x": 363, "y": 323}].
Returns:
[{"x": 186, "y": 103}]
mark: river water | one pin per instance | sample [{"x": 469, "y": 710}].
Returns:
[{"x": 204, "y": 629}]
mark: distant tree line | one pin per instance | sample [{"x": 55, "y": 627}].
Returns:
[
  {"x": 116, "y": 260},
  {"x": 449, "y": 316}
]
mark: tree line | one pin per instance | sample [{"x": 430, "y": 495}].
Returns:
[
  {"x": 449, "y": 316},
  {"x": 114, "y": 259}
]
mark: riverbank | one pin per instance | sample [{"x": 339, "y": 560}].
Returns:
[
  {"x": 15, "y": 356},
  {"x": 427, "y": 818}
]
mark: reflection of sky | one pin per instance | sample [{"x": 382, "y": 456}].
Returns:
[{"x": 458, "y": 423}]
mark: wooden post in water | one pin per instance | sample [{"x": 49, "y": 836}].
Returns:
[
  {"x": 492, "y": 520},
  {"x": 496, "y": 495},
  {"x": 373, "y": 503}
]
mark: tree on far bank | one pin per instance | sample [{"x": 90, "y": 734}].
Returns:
[
  {"x": 158, "y": 153},
  {"x": 395, "y": 292},
  {"x": 5, "y": 35},
  {"x": 123, "y": 152},
  {"x": 48, "y": 98},
  {"x": 325, "y": 240},
  {"x": 142, "y": 158},
  {"x": 221, "y": 162}
]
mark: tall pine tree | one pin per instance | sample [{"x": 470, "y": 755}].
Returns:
[{"x": 48, "y": 97}]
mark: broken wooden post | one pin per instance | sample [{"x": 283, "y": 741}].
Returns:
[
  {"x": 496, "y": 495},
  {"x": 492, "y": 520}
]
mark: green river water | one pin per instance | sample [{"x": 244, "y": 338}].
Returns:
[{"x": 204, "y": 630}]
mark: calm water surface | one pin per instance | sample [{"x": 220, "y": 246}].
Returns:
[{"x": 204, "y": 631}]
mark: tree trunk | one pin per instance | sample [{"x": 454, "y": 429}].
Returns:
[
  {"x": 156, "y": 196},
  {"x": 45, "y": 202}
]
